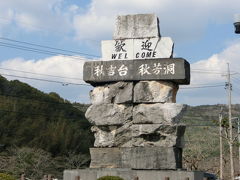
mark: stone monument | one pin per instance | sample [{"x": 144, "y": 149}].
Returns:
[{"x": 136, "y": 120}]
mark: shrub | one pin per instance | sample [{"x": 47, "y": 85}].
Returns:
[
  {"x": 4, "y": 176},
  {"x": 110, "y": 178}
]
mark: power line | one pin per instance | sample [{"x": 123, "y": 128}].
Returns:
[
  {"x": 202, "y": 72},
  {"x": 236, "y": 92},
  {"x": 57, "y": 76},
  {"x": 217, "y": 83},
  {"x": 41, "y": 51},
  {"x": 68, "y": 83},
  {"x": 210, "y": 86},
  {"x": 205, "y": 70},
  {"x": 236, "y": 85},
  {"x": 7, "y": 69},
  {"x": 237, "y": 88},
  {"x": 209, "y": 71},
  {"x": 212, "y": 71},
  {"x": 48, "y": 47},
  {"x": 236, "y": 79},
  {"x": 25, "y": 48},
  {"x": 46, "y": 80}
]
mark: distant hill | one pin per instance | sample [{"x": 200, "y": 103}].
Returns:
[
  {"x": 208, "y": 114},
  {"x": 201, "y": 150},
  {"x": 29, "y": 117}
]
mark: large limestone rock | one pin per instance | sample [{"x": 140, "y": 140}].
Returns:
[
  {"x": 155, "y": 92},
  {"x": 136, "y": 26},
  {"x": 109, "y": 114},
  {"x": 112, "y": 136},
  {"x": 120, "y": 92},
  {"x": 130, "y": 135},
  {"x": 157, "y": 135},
  {"x": 137, "y": 158},
  {"x": 104, "y": 135},
  {"x": 168, "y": 113}
]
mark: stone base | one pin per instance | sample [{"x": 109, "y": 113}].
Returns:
[
  {"x": 129, "y": 174},
  {"x": 137, "y": 158}
]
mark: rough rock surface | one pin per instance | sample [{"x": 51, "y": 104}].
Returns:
[
  {"x": 109, "y": 114},
  {"x": 168, "y": 113},
  {"x": 136, "y": 158},
  {"x": 120, "y": 92},
  {"x": 112, "y": 136},
  {"x": 104, "y": 135},
  {"x": 130, "y": 135},
  {"x": 157, "y": 135},
  {"x": 136, "y": 26},
  {"x": 155, "y": 92}
]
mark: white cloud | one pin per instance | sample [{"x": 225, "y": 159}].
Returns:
[
  {"x": 73, "y": 8},
  {"x": 86, "y": 30},
  {"x": 26, "y": 21},
  {"x": 182, "y": 20},
  {"x": 211, "y": 72},
  {"x": 37, "y": 15},
  {"x": 217, "y": 63},
  {"x": 6, "y": 17},
  {"x": 55, "y": 66}
]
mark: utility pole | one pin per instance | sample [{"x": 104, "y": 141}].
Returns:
[
  {"x": 220, "y": 144},
  {"x": 230, "y": 141},
  {"x": 238, "y": 119}
]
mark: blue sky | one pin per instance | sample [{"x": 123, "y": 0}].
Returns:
[{"x": 202, "y": 31}]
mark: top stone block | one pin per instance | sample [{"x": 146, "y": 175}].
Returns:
[{"x": 136, "y": 26}]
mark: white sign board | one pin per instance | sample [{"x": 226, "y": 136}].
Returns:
[{"x": 145, "y": 48}]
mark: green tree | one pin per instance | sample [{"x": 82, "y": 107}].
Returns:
[
  {"x": 32, "y": 162},
  {"x": 4, "y": 176},
  {"x": 110, "y": 178}
]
